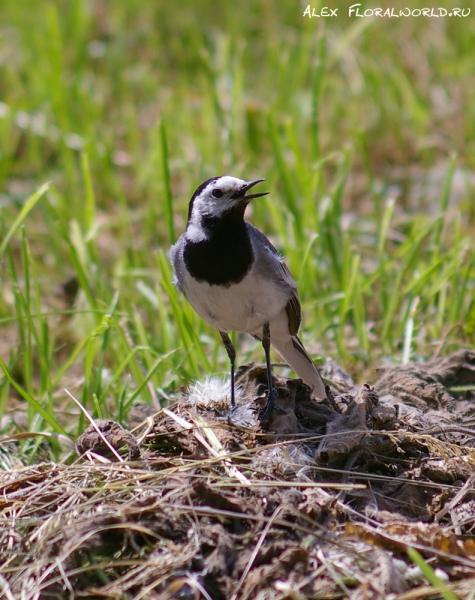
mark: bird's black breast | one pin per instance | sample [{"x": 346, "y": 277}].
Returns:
[{"x": 224, "y": 257}]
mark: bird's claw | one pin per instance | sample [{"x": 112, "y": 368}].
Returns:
[{"x": 271, "y": 405}]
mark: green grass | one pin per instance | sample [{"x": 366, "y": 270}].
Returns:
[
  {"x": 114, "y": 112},
  {"x": 430, "y": 575}
]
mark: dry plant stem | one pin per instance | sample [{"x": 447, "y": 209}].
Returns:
[
  {"x": 91, "y": 420},
  {"x": 336, "y": 578},
  {"x": 5, "y": 588},
  {"x": 183, "y": 423},
  {"x": 466, "y": 488},
  {"x": 447, "y": 429},
  {"x": 255, "y": 553}
]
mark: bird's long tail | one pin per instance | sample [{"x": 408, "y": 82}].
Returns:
[{"x": 293, "y": 352}]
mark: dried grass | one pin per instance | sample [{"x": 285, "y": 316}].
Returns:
[{"x": 219, "y": 512}]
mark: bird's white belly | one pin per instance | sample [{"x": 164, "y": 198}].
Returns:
[{"x": 245, "y": 306}]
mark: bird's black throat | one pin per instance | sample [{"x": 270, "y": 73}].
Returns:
[{"x": 225, "y": 256}]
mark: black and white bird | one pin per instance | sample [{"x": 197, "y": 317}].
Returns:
[{"x": 236, "y": 280}]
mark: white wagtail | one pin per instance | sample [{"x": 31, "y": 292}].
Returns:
[{"x": 236, "y": 280}]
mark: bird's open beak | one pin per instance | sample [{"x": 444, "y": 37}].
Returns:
[{"x": 248, "y": 186}]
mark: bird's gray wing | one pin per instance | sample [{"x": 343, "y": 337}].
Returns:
[
  {"x": 294, "y": 313},
  {"x": 272, "y": 264},
  {"x": 176, "y": 258}
]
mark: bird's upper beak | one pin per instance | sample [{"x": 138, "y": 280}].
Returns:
[{"x": 248, "y": 186}]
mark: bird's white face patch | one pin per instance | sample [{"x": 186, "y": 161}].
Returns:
[
  {"x": 213, "y": 199},
  {"x": 217, "y": 198},
  {"x": 194, "y": 232}
]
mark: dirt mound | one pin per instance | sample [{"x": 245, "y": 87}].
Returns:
[{"x": 323, "y": 501}]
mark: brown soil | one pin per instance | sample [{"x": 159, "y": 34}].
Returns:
[{"x": 323, "y": 501}]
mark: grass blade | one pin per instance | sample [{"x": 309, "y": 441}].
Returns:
[{"x": 27, "y": 207}]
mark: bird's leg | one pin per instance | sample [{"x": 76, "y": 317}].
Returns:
[
  {"x": 270, "y": 388},
  {"x": 232, "y": 358}
]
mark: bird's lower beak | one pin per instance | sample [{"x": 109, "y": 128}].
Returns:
[{"x": 248, "y": 186}]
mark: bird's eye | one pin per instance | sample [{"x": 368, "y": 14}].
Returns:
[{"x": 217, "y": 193}]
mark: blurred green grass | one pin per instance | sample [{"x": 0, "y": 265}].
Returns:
[{"x": 363, "y": 128}]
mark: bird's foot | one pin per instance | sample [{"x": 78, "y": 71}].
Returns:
[
  {"x": 233, "y": 410},
  {"x": 270, "y": 405}
]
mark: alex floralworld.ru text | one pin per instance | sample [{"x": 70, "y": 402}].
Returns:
[{"x": 356, "y": 10}]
